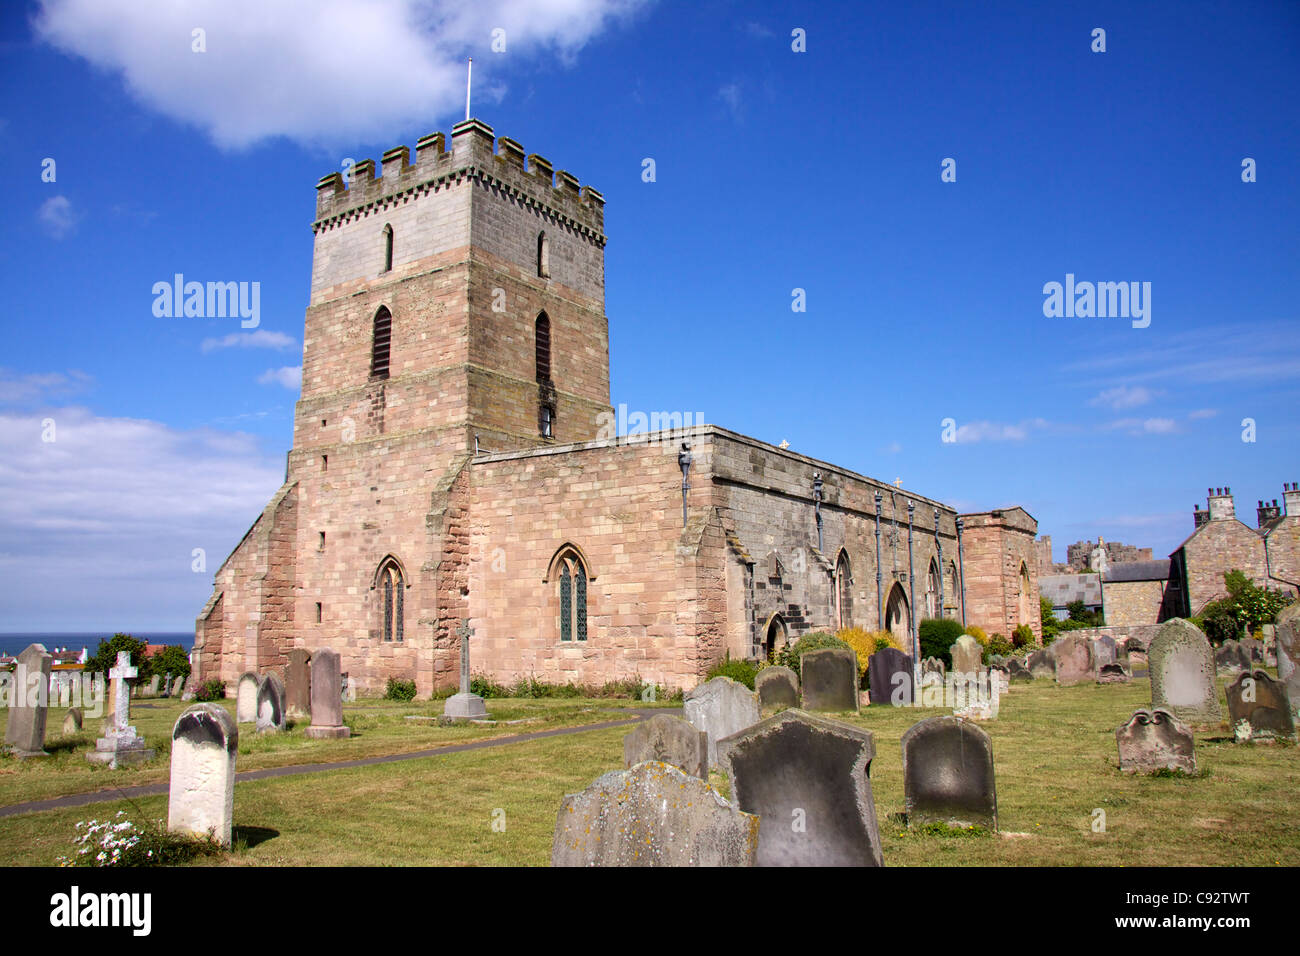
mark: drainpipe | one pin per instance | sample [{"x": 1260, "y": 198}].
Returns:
[
  {"x": 911, "y": 580},
  {"x": 939, "y": 543},
  {"x": 880, "y": 607},
  {"x": 961, "y": 571}
]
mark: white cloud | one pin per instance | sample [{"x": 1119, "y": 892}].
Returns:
[
  {"x": 321, "y": 72},
  {"x": 731, "y": 96},
  {"x": 290, "y": 376},
  {"x": 1203, "y": 413},
  {"x": 1123, "y": 396},
  {"x": 261, "y": 339},
  {"x": 994, "y": 431},
  {"x": 57, "y": 217},
  {"x": 1144, "y": 426},
  {"x": 40, "y": 386}
]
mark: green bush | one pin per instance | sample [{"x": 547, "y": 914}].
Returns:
[
  {"x": 399, "y": 689},
  {"x": 742, "y": 672},
  {"x": 211, "y": 690},
  {"x": 486, "y": 687},
  {"x": 937, "y": 636},
  {"x": 105, "y": 655},
  {"x": 790, "y": 655},
  {"x": 998, "y": 646},
  {"x": 1022, "y": 636},
  {"x": 119, "y": 842}
]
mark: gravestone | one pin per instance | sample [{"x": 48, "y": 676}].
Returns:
[
  {"x": 967, "y": 656},
  {"x": 1074, "y": 660},
  {"x": 933, "y": 665},
  {"x": 1154, "y": 740},
  {"x": 671, "y": 740},
  {"x": 326, "y": 696},
  {"x": 1112, "y": 673},
  {"x": 297, "y": 684},
  {"x": 178, "y": 686},
  {"x": 120, "y": 745},
  {"x": 1040, "y": 664},
  {"x": 155, "y": 685},
  {"x": 270, "y": 705},
  {"x": 1138, "y": 665},
  {"x": 72, "y": 721},
  {"x": 777, "y": 687},
  {"x": 808, "y": 778},
  {"x": 1231, "y": 657},
  {"x": 29, "y": 703},
  {"x": 1000, "y": 673},
  {"x": 167, "y": 685},
  {"x": 1254, "y": 649},
  {"x": 1258, "y": 707},
  {"x": 466, "y": 705},
  {"x": 890, "y": 679},
  {"x": 652, "y": 815},
  {"x": 201, "y": 798},
  {"x": 1018, "y": 671},
  {"x": 63, "y": 683},
  {"x": 720, "y": 707},
  {"x": 246, "y": 698},
  {"x": 1182, "y": 673},
  {"x": 1105, "y": 650},
  {"x": 948, "y": 774},
  {"x": 1288, "y": 653}
]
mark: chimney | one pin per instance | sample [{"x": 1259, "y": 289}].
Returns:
[
  {"x": 1266, "y": 512},
  {"x": 1290, "y": 499},
  {"x": 1221, "y": 508},
  {"x": 1199, "y": 517}
]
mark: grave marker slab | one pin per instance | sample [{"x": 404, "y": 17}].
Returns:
[
  {"x": 72, "y": 721},
  {"x": 890, "y": 678},
  {"x": 1258, "y": 707},
  {"x": 720, "y": 707},
  {"x": 270, "y": 705},
  {"x": 297, "y": 684},
  {"x": 1230, "y": 657},
  {"x": 201, "y": 797},
  {"x": 1105, "y": 650},
  {"x": 1112, "y": 673},
  {"x": 1287, "y": 636},
  {"x": 967, "y": 656},
  {"x": 671, "y": 740},
  {"x": 1154, "y": 740},
  {"x": 1182, "y": 673},
  {"x": 1040, "y": 663},
  {"x": 1074, "y": 660},
  {"x": 246, "y": 698},
  {"x": 29, "y": 702},
  {"x": 777, "y": 687},
  {"x": 326, "y": 696},
  {"x": 948, "y": 774}
]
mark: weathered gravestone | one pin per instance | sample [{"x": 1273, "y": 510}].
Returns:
[
  {"x": 1230, "y": 657},
  {"x": 808, "y": 779},
  {"x": 1288, "y": 653},
  {"x": 246, "y": 698},
  {"x": 777, "y": 687},
  {"x": 155, "y": 685},
  {"x": 270, "y": 705},
  {"x": 178, "y": 686},
  {"x": 890, "y": 679},
  {"x": 967, "y": 656},
  {"x": 1254, "y": 648},
  {"x": 72, "y": 721},
  {"x": 671, "y": 740},
  {"x": 29, "y": 703},
  {"x": 1074, "y": 660},
  {"x": 652, "y": 815},
  {"x": 1182, "y": 673},
  {"x": 1154, "y": 740},
  {"x": 1137, "y": 664},
  {"x": 1258, "y": 707},
  {"x": 933, "y": 665},
  {"x": 1018, "y": 671},
  {"x": 828, "y": 679},
  {"x": 948, "y": 774},
  {"x": 720, "y": 707},
  {"x": 120, "y": 744},
  {"x": 297, "y": 684},
  {"x": 1105, "y": 650},
  {"x": 1000, "y": 674},
  {"x": 201, "y": 798},
  {"x": 1040, "y": 663},
  {"x": 326, "y": 696},
  {"x": 1112, "y": 672}
]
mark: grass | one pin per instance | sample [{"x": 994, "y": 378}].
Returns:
[{"x": 1054, "y": 750}]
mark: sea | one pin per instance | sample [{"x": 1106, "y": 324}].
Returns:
[{"x": 13, "y": 644}]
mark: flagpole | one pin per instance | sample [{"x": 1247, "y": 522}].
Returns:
[{"x": 469, "y": 75}]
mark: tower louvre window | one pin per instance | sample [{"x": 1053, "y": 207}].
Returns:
[
  {"x": 383, "y": 336},
  {"x": 543, "y": 337}
]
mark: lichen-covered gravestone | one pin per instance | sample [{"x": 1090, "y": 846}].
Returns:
[
  {"x": 1112, "y": 672},
  {"x": 1018, "y": 671},
  {"x": 1040, "y": 664},
  {"x": 1258, "y": 707},
  {"x": 270, "y": 705},
  {"x": 890, "y": 678},
  {"x": 933, "y": 665},
  {"x": 671, "y": 740},
  {"x": 1138, "y": 665},
  {"x": 326, "y": 696},
  {"x": 1230, "y": 657},
  {"x": 1288, "y": 653},
  {"x": 29, "y": 703},
  {"x": 1182, "y": 673},
  {"x": 201, "y": 797},
  {"x": 1105, "y": 650},
  {"x": 652, "y": 815},
  {"x": 1254, "y": 648},
  {"x": 808, "y": 778},
  {"x": 967, "y": 656},
  {"x": 1154, "y": 740},
  {"x": 777, "y": 687},
  {"x": 1075, "y": 663},
  {"x": 948, "y": 774},
  {"x": 720, "y": 707},
  {"x": 828, "y": 679},
  {"x": 246, "y": 698},
  {"x": 297, "y": 684}
]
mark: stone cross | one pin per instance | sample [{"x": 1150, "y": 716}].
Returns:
[
  {"x": 120, "y": 673},
  {"x": 465, "y": 632}
]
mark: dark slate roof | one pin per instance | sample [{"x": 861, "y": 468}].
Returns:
[
  {"x": 1062, "y": 589},
  {"x": 1137, "y": 571}
]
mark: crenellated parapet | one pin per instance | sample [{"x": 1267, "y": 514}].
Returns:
[{"x": 500, "y": 166}]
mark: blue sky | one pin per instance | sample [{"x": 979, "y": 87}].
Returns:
[{"x": 775, "y": 170}]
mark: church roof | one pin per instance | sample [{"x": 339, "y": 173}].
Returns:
[{"x": 1157, "y": 570}]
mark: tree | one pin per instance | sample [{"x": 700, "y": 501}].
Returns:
[
  {"x": 1246, "y": 607},
  {"x": 170, "y": 660},
  {"x": 105, "y": 657}
]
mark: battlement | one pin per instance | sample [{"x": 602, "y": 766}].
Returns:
[{"x": 500, "y": 166}]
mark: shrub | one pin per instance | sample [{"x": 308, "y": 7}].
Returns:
[
  {"x": 741, "y": 671},
  {"x": 790, "y": 655},
  {"x": 105, "y": 655},
  {"x": 1022, "y": 635},
  {"x": 998, "y": 646},
  {"x": 937, "y": 636},
  {"x": 486, "y": 687},
  {"x": 210, "y": 690},
  {"x": 399, "y": 689},
  {"x": 863, "y": 644},
  {"x": 978, "y": 633},
  {"x": 120, "y": 842}
]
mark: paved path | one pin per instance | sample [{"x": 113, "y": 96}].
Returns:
[{"x": 153, "y": 790}]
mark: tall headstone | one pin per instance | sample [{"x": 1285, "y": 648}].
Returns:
[
  {"x": 931, "y": 665},
  {"x": 246, "y": 698},
  {"x": 720, "y": 707},
  {"x": 1105, "y": 650},
  {"x": 270, "y": 705},
  {"x": 652, "y": 815},
  {"x": 777, "y": 687},
  {"x": 201, "y": 797},
  {"x": 1287, "y": 636},
  {"x": 890, "y": 677},
  {"x": 1074, "y": 660},
  {"x": 466, "y": 705},
  {"x": 29, "y": 703},
  {"x": 326, "y": 696},
  {"x": 178, "y": 686},
  {"x": 967, "y": 656},
  {"x": 1258, "y": 707},
  {"x": 1154, "y": 740},
  {"x": 120, "y": 745},
  {"x": 1182, "y": 673},
  {"x": 948, "y": 774},
  {"x": 155, "y": 685},
  {"x": 828, "y": 679},
  {"x": 809, "y": 779},
  {"x": 671, "y": 740},
  {"x": 297, "y": 684}
]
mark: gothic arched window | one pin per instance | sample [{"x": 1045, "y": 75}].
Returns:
[
  {"x": 381, "y": 343},
  {"x": 932, "y": 590},
  {"x": 388, "y": 248},
  {"x": 572, "y": 584},
  {"x": 390, "y": 586},
  {"x": 843, "y": 591}
]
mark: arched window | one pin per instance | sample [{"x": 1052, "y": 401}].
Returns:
[
  {"x": 932, "y": 590},
  {"x": 1023, "y": 611},
  {"x": 388, "y": 248},
  {"x": 572, "y": 583},
  {"x": 390, "y": 586},
  {"x": 952, "y": 586},
  {"x": 379, "y": 349},
  {"x": 843, "y": 591},
  {"x": 543, "y": 256},
  {"x": 898, "y": 618},
  {"x": 542, "y": 335}
]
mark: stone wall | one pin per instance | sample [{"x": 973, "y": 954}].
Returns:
[
  {"x": 1002, "y": 571},
  {"x": 1128, "y": 603},
  {"x": 1220, "y": 545}
]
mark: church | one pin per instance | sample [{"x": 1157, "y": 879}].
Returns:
[{"x": 452, "y": 461}]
